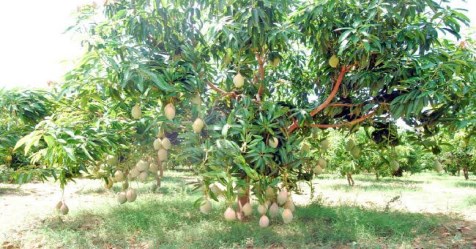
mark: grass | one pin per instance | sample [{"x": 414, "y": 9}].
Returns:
[
  {"x": 380, "y": 187},
  {"x": 372, "y": 179},
  {"x": 168, "y": 223},
  {"x": 470, "y": 201},
  {"x": 465, "y": 184},
  {"x": 168, "y": 219},
  {"x": 342, "y": 216},
  {"x": 9, "y": 191}
]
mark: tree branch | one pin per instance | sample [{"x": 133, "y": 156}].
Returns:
[
  {"x": 293, "y": 127},
  {"x": 260, "y": 77},
  {"x": 260, "y": 60},
  {"x": 220, "y": 91},
  {"x": 343, "y": 105},
  {"x": 353, "y": 122},
  {"x": 260, "y": 92},
  {"x": 331, "y": 96},
  {"x": 212, "y": 86}
]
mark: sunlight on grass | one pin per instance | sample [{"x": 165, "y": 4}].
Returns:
[
  {"x": 168, "y": 219},
  {"x": 470, "y": 201},
  {"x": 374, "y": 187},
  {"x": 174, "y": 223},
  {"x": 465, "y": 184}
]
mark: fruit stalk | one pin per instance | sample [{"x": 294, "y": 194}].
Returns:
[{"x": 242, "y": 201}]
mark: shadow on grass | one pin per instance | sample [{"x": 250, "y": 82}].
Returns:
[
  {"x": 470, "y": 201},
  {"x": 174, "y": 223},
  {"x": 170, "y": 184},
  {"x": 466, "y": 184},
  {"x": 389, "y": 187},
  {"x": 183, "y": 169},
  {"x": 10, "y": 190},
  {"x": 387, "y": 180},
  {"x": 17, "y": 190},
  {"x": 95, "y": 190}
]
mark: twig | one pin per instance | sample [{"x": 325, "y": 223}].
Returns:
[
  {"x": 344, "y": 105},
  {"x": 350, "y": 123},
  {"x": 220, "y": 91}
]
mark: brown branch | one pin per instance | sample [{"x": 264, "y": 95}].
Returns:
[
  {"x": 220, "y": 91},
  {"x": 353, "y": 122},
  {"x": 260, "y": 60},
  {"x": 331, "y": 96},
  {"x": 212, "y": 86},
  {"x": 260, "y": 77},
  {"x": 260, "y": 92},
  {"x": 293, "y": 127},
  {"x": 343, "y": 105}
]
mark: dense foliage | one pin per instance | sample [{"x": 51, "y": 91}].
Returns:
[{"x": 20, "y": 111}]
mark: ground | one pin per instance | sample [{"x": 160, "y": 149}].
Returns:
[{"x": 420, "y": 211}]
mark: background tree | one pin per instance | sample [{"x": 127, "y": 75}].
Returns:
[
  {"x": 457, "y": 152},
  {"x": 20, "y": 111}
]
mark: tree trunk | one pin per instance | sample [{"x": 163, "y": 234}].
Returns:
[
  {"x": 398, "y": 172},
  {"x": 350, "y": 180},
  {"x": 377, "y": 176},
  {"x": 161, "y": 169},
  {"x": 466, "y": 173},
  {"x": 158, "y": 180}
]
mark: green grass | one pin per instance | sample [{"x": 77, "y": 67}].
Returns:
[
  {"x": 9, "y": 190},
  {"x": 372, "y": 179},
  {"x": 176, "y": 224},
  {"x": 380, "y": 187},
  {"x": 168, "y": 219},
  {"x": 465, "y": 184},
  {"x": 470, "y": 201}
]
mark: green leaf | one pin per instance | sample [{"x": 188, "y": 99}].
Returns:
[{"x": 50, "y": 140}]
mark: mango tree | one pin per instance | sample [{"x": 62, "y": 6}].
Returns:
[
  {"x": 20, "y": 111},
  {"x": 236, "y": 86},
  {"x": 458, "y": 152}
]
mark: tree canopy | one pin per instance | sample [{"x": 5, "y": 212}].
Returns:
[{"x": 260, "y": 75}]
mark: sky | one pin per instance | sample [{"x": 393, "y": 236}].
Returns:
[{"x": 34, "y": 48}]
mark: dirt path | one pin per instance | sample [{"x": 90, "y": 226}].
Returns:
[{"x": 24, "y": 206}]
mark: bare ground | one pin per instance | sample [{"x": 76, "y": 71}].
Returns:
[{"x": 30, "y": 204}]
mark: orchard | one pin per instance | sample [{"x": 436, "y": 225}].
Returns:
[{"x": 255, "y": 98}]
